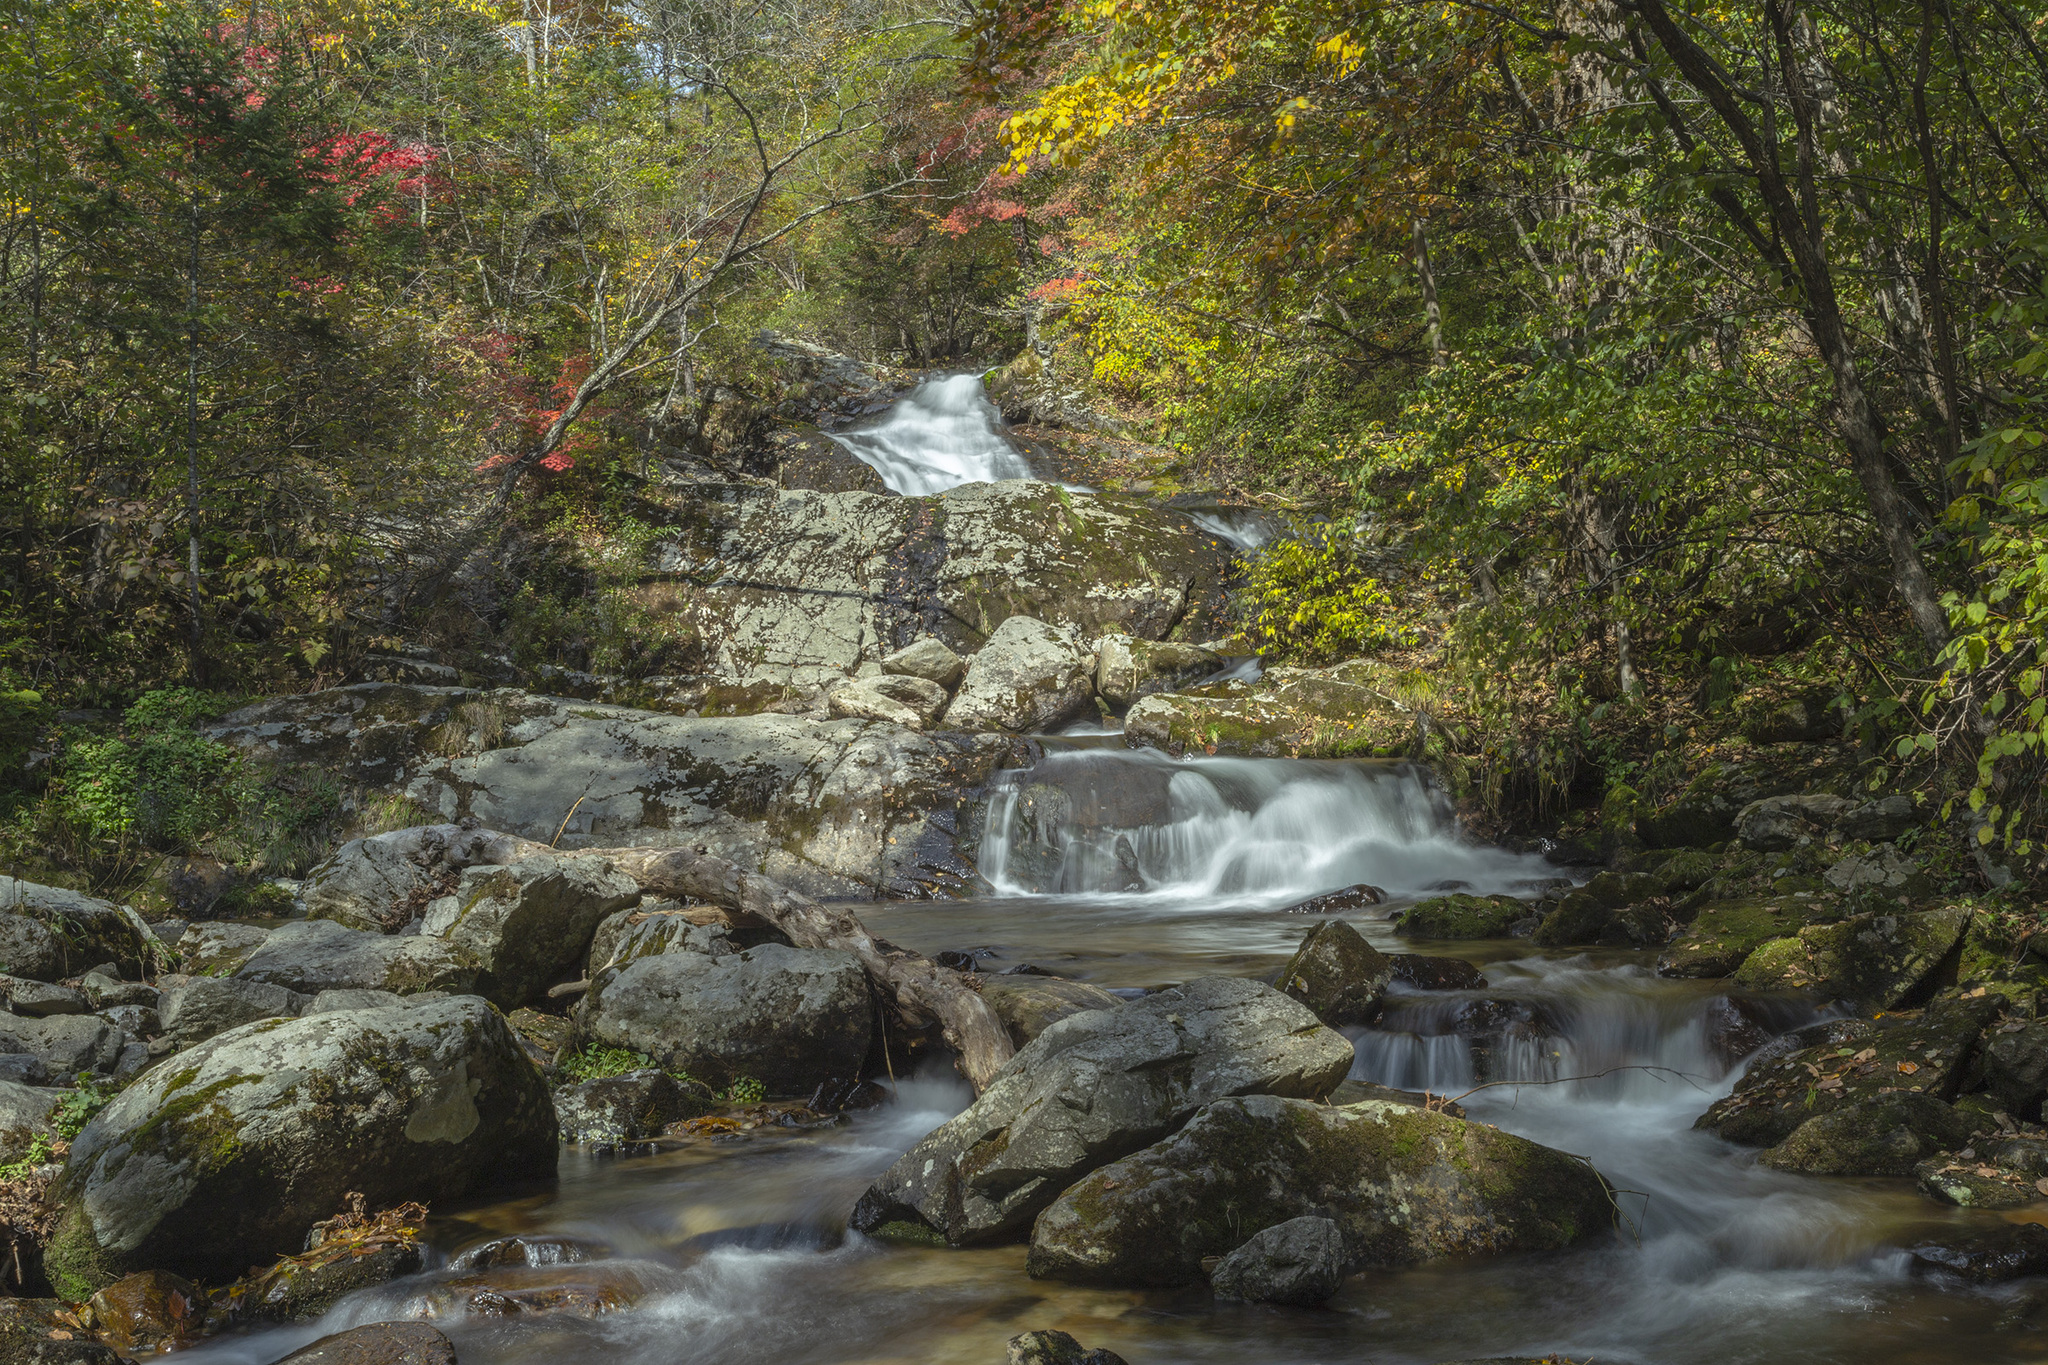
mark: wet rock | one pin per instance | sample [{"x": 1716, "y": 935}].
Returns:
[
  {"x": 1876, "y": 1135},
  {"x": 152, "y": 1310},
  {"x": 65, "y": 1044},
  {"x": 814, "y": 461},
  {"x": 2016, "y": 1067},
  {"x": 1881, "y": 820},
  {"x": 529, "y": 923},
  {"x": 1056, "y": 1348},
  {"x": 1403, "y": 1185},
  {"x": 629, "y": 1107},
  {"x": 1991, "y": 1173},
  {"x": 380, "y": 1343},
  {"x": 1127, "y": 669},
  {"x": 927, "y": 659},
  {"x": 895, "y": 700},
  {"x": 1737, "y": 1026},
  {"x": 1337, "y": 974},
  {"x": 1436, "y": 973},
  {"x": 1029, "y": 1005},
  {"x": 1027, "y": 676},
  {"x": 222, "y": 1157},
  {"x": 1461, "y": 916},
  {"x": 1096, "y": 1087},
  {"x": 218, "y": 948},
  {"x": 85, "y": 929},
  {"x": 528, "y": 1249},
  {"x": 1873, "y": 961},
  {"x": 2009, "y": 1251},
  {"x": 28, "y": 949},
  {"x": 1355, "y": 897},
  {"x": 790, "y": 1018},
  {"x": 827, "y": 807},
  {"x": 321, "y": 955},
  {"x": 1781, "y": 822},
  {"x": 344, "y": 1254},
  {"x": 587, "y": 1290},
  {"x": 1724, "y": 934},
  {"x": 1298, "y": 1262},
  {"x": 25, "y": 1115},
  {"x": 1925, "y": 1052},
  {"x": 40, "y": 1000},
  {"x": 206, "y": 1005}
]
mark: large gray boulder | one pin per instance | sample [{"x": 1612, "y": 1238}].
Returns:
[
  {"x": 88, "y": 931},
  {"x": 28, "y": 949},
  {"x": 1095, "y": 1087},
  {"x": 926, "y": 659},
  {"x": 25, "y": 1115},
  {"x": 1127, "y": 669},
  {"x": 528, "y": 924},
  {"x": 912, "y": 702},
  {"x": 1029, "y": 675},
  {"x": 1403, "y": 1185},
  {"x": 219, "y": 947},
  {"x": 206, "y": 1005},
  {"x": 320, "y": 955},
  {"x": 223, "y": 1157},
  {"x": 628, "y": 1107},
  {"x": 386, "y": 880},
  {"x": 826, "y": 807},
  {"x": 65, "y": 1044},
  {"x": 1299, "y": 1262},
  {"x": 790, "y": 1018},
  {"x": 1338, "y": 974},
  {"x": 1028, "y": 1004}
]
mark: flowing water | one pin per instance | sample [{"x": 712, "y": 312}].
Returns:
[{"x": 942, "y": 434}]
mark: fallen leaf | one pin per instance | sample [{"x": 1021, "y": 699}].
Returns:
[{"x": 1909, "y": 1067}]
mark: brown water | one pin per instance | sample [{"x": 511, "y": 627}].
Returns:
[{"x": 739, "y": 1250}]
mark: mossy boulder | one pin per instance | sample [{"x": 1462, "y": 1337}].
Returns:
[
  {"x": 1462, "y": 916},
  {"x": 1704, "y": 812},
  {"x": 1991, "y": 1173},
  {"x": 1872, "y": 961},
  {"x": 1923, "y": 1052},
  {"x": 1884, "y": 1134},
  {"x": 1725, "y": 932},
  {"x": 223, "y": 1157},
  {"x": 1337, "y": 974},
  {"x": 1343, "y": 710},
  {"x": 1127, "y": 669},
  {"x": 1403, "y": 1185}
]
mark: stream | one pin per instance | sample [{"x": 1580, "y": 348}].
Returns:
[{"x": 1132, "y": 870}]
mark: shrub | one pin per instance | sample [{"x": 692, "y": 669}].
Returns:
[{"x": 1314, "y": 601}]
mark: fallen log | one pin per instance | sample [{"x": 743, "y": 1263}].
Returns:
[{"x": 924, "y": 991}]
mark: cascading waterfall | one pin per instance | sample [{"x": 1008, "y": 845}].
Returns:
[
  {"x": 942, "y": 434},
  {"x": 1136, "y": 822}
]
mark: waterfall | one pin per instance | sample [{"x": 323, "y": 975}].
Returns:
[
  {"x": 1272, "y": 831},
  {"x": 943, "y": 434}
]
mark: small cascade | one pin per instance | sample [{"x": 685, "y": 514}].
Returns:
[
  {"x": 1271, "y": 831},
  {"x": 942, "y": 434}
]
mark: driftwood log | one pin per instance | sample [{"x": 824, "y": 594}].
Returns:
[{"x": 924, "y": 991}]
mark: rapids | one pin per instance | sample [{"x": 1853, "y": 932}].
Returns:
[{"x": 942, "y": 434}]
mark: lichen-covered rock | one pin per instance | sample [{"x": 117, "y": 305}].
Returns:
[
  {"x": 1029, "y": 675},
  {"x": 224, "y": 1156},
  {"x": 40, "y": 999},
  {"x": 1298, "y": 1262},
  {"x": 915, "y": 703},
  {"x": 25, "y": 1115},
  {"x": 1993, "y": 1255},
  {"x": 641, "y": 933},
  {"x": 927, "y": 659},
  {"x": 1289, "y": 712},
  {"x": 320, "y": 955},
  {"x": 386, "y": 880},
  {"x": 1874, "y": 961},
  {"x": 1880, "y": 870},
  {"x": 2016, "y": 1067},
  {"x": 1880, "y": 820},
  {"x": 1462, "y": 916},
  {"x": 1056, "y": 1348},
  {"x": 1991, "y": 1173},
  {"x": 1403, "y": 1185},
  {"x": 380, "y": 1343},
  {"x": 1781, "y": 822},
  {"x": 1029, "y": 1005},
  {"x": 528, "y": 924},
  {"x": 791, "y": 1018},
  {"x": 1093, "y": 1088},
  {"x": 826, "y": 807},
  {"x": 1337, "y": 974},
  {"x": 1724, "y": 934},
  {"x": 1127, "y": 669},
  {"x": 628, "y": 1107},
  {"x": 206, "y": 1005},
  {"x": 219, "y": 947},
  {"x": 88, "y": 931},
  {"x": 65, "y": 1044},
  {"x": 28, "y": 949},
  {"x": 1923, "y": 1052},
  {"x": 1876, "y": 1135}
]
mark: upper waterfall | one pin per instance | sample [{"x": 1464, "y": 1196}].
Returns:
[{"x": 944, "y": 433}]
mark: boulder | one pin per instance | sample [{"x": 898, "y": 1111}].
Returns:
[
  {"x": 791, "y": 1018},
  {"x": 927, "y": 659},
  {"x": 207, "y": 1005},
  {"x": 1704, "y": 812},
  {"x": 1127, "y": 669},
  {"x": 40, "y": 1000},
  {"x": 1926, "y": 1052},
  {"x": 629, "y": 1107},
  {"x": 1028, "y": 676},
  {"x": 1724, "y": 934},
  {"x": 218, "y": 948},
  {"x": 1299, "y": 1262},
  {"x": 380, "y": 1343},
  {"x": 1056, "y": 1348},
  {"x": 385, "y": 881},
  {"x": 830, "y": 808},
  {"x": 1095, "y": 1087},
  {"x": 1403, "y": 1185},
  {"x": 2007, "y": 1251},
  {"x": 43, "y": 1332},
  {"x": 2016, "y": 1067},
  {"x": 25, "y": 1114},
  {"x": 1357, "y": 896},
  {"x": 65, "y": 1044},
  {"x": 1426, "y": 973},
  {"x": 1356, "y": 1092},
  {"x": 1337, "y": 974},
  {"x": 1776, "y": 823},
  {"x": 1877, "y": 962},
  {"x": 1287, "y": 713},
  {"x": 87, "y": 930},
  {"x": 1880, "y": 1134},
  {"x": 1881, "y": 820},
  {"x": 528, "y": 924},
  {"x": 1991, "y": 1173},
  {"x": 320, "y": 955},
  {"x": 1460, "y": 916},
  {"x": 28, "y": 949},
  {"x": 640, "y": 933},
  {"x": 333, "y": 1002},
  {"x": 1881, "y": 870},
  {"x": 151, "y": 1311},
  {"x": 301, "y": 1288},
  {"x": 225, "y": 1156},
  {"x": 915, "y": 703},
  {"x": 1029, "y": 1005},
  {"x": 104, "y": 992}
]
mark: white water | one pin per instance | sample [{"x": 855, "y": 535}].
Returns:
[
  {"x": 1259, "y": 831},
  {"x": 943, "y": 434}
]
